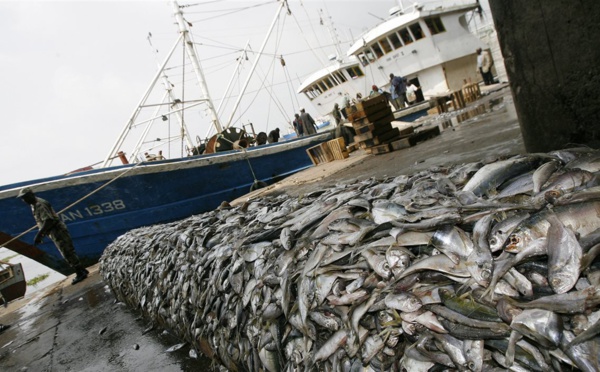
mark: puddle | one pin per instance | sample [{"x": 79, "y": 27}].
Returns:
[{"x": 470, "y": 113}]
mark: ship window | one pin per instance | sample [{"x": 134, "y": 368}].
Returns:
[
  {"x": 416, "y": 31},
  {"x": 395, "y": 40},
  {"x": 385, "y": 45},
  {"x": 435, "y": 25},
  {"x": 317, "y": 89},
  {"x": 328, "y": 82},
  {"x": 377, "y": 50},
  {"x": 354, "y": 72},
  {"x": 341, "y": 78},
  {"x": 370, "y": 55},
  {"x": 322, "y": 86},
  {"x": 363, "y": 59},
  {"x": 405, "y": 35}
]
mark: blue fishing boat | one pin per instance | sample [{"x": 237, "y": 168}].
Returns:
[{"x": 100, "y": 203}]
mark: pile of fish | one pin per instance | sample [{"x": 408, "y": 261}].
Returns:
[{"x": 482, "y": 266}]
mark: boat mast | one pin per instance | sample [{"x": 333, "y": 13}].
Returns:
[
  {"x": 262, "y": 48},
  {"x": 191, "y": 52},
  {"x": 113, "y": 152}
]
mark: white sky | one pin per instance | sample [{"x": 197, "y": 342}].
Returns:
[{"x": 72, "y": 72}]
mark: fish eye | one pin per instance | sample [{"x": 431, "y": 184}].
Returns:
[
  {"x": 485, "y": 274},
  {"x": 493, "y": 241}
]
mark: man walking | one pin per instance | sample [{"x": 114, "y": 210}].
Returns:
[
  {"x": 308, "y": 122},
  {"x": 50, "y": 224}
]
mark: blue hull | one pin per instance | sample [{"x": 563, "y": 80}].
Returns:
[{"x": 122, "y": 198}]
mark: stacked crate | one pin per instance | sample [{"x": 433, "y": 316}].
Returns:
[{"x": 372, "y": 120}]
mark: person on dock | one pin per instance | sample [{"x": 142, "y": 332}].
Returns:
[
  {"x": 50, "y": 224},
  {"x": 340, "y": 129},
  {"x": 411, "y": 93},
  {"x": 484, "y": 66},
  {"x": 298, "y": 125},
  {"x": 308, "y": 123},
  {"x": 398, "y": 88},
  {"x": 273, "y": 136},
  {"x": 345, "y": 104}
]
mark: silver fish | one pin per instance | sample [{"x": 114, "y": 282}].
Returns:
[
  {"x": 564, "y": 256},
  {"x": 490, "y": 176},
  {"x": 404, "y": 301}
]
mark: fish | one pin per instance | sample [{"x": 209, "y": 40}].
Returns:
[
  {"x": 465, "y": 267},
  {"x": 564, "y": 256},
  {"x": 487, "y": 179}
]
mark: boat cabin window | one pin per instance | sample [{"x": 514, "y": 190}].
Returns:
[
  {"x": 385, "y": 45},
  {"x": 328, "y": 82},
  {"x": 340, "y": 77},
  {"x": 354, "y": 72},
  {"x": 395, "y": 40},
  {"x": 405, "y": 35},
  {"x": 314, "y": 91},
  {"x": 435, "y": 25},
  {"x": 377, "y": 50},
  {"x": 416, "y": 30},
  {"x": 322, "y": 86},
  {"x": 363, "y": 59}
]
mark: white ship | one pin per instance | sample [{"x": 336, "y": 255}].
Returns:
[{"x": 429, "y": 44}]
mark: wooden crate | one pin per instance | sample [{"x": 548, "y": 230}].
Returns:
[
  {"x": 413, "y": 139},
  {"x": 381, "y": 149},
  {"x": 381, "y": 139},
  {"x": 338, "y": 148},
  {"x": 371, "y": 101},
  {"x": 471, "y": 92},
  {"x": 363, "y": 136},
  {"x": 320, "y": 154},
  {"x": 379, "y": 126},
  {"x": 371, "y": 112},
  {"x": 384, "y": 116}
]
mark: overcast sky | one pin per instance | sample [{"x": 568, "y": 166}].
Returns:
[{"x": 72, "y": 72}]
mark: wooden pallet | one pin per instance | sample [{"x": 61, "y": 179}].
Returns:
[
  {"x": 415, "y": 138},
  {"x": 381, "y": 126},
  {"x": 367, "y": 135},
  {"x": 372, "y": 113},
  {"x": 385, "y": 116},
  {"x": 380, "y": 139}
]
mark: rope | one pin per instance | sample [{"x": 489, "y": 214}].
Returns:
[
  {"x": 76, "y": 202},
  {"x": 245, "y": 157}
]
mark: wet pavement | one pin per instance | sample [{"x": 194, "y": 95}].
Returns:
[{"x": 82, "y": 328}]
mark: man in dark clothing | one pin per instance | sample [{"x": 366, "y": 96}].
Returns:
[
  {"x": 50, "y": 224},
  {"x": 274, "y": 136},
  {"x": 298, "y": 125},
  {"x": 308, "y": 123},
  {"x": 398, "y": 88}
]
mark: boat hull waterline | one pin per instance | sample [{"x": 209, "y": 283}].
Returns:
[{"x": 117, "y": 199}]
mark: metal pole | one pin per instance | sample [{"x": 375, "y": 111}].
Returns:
[
  {"x": 111, "y": 155},
  {"x": 262, "y": 48},
  {"x": 191, "y": 52}
]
